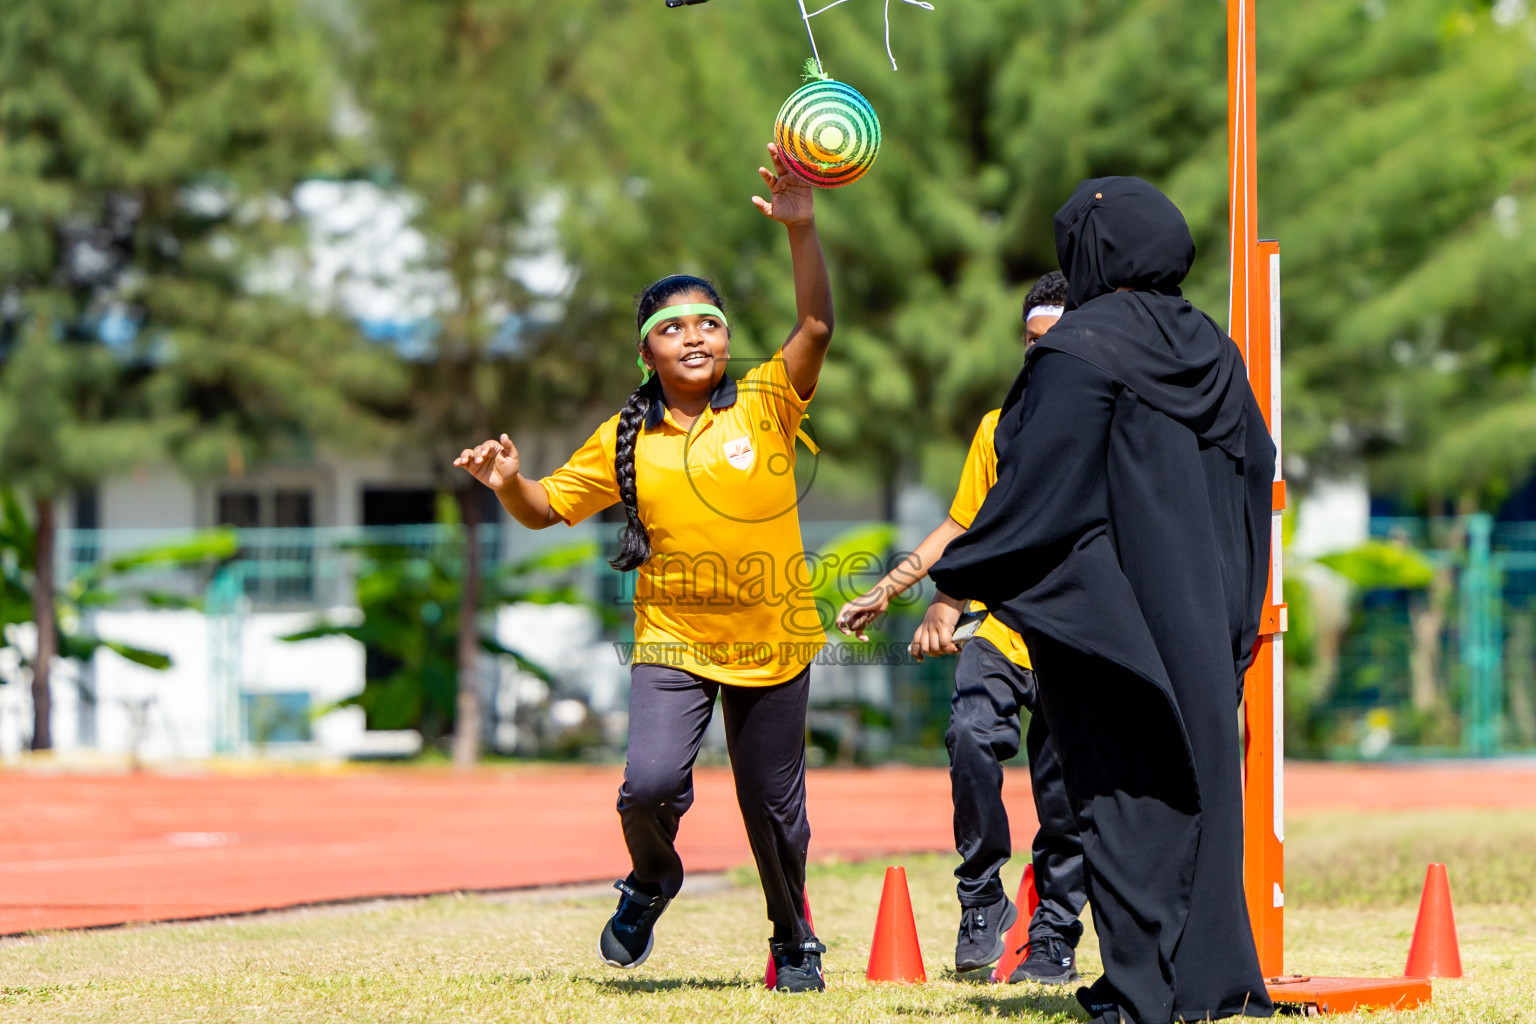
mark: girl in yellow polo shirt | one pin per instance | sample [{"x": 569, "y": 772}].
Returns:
[{"x": 704, "y": 466}]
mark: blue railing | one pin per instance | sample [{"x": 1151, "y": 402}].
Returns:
[{"x": 1449, "y": 669}]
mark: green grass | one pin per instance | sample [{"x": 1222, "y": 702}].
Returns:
[
  {"x": 1362, "y": 860},
  {"x": 530, "y": 958}
]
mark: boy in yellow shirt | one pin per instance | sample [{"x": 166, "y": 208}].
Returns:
[{"x": 993, "y": 679}]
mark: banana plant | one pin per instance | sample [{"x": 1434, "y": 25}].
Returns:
[
  {"x": 410, "y": 611},
  {"x": 103, "y": 584}
]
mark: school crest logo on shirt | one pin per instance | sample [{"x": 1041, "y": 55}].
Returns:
[{"x": 738, "y": 452}]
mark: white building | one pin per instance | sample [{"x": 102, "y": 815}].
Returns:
[{"x": 234, "y": 686}]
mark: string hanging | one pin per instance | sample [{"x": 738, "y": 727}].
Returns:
[{"x": 806, "y": 17}]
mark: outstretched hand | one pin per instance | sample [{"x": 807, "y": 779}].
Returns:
[
  {"x": 791, "y": 199},
  {"x": 493, "y": 463},
  {"x": 855, "y": 616}
]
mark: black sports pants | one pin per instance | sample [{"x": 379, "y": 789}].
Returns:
[
  {"x": 984, "y": 732},
  {"x": 669, "y": 710}
]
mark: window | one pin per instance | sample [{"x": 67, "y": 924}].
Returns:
[
  {"x": 87, "y": 516},
  {"x": 240, "y": 509},
  {"x": 399, "y": 506},
  {"x": 293, "y": 508},
  {"x": 278, "y": 567}
]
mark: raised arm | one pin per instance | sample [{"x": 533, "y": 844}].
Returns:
[{"x": 791, "y": 203}]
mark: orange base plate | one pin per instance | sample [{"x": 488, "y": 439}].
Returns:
[{"x": 1341, "y": 995}]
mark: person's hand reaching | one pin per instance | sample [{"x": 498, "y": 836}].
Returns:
[
  {"x": 791, "y": 200},
  {"x": 936, "y": 634},
  {"x": 493, "y": 463},
  {"x": 855, "y": 616}
]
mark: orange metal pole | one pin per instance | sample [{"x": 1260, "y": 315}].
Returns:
[
  {"x": 1242, "y": 185},
  {"x": 1254, "y": 324},
  {"x": 1264, "y": 706}
]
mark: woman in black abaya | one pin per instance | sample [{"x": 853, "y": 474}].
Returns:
[{"x": 1127, "y": 539}]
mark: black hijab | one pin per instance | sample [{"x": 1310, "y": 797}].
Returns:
[
  {"x": 1126, "y": 553},
  {"x": 1123, "y": 233}
]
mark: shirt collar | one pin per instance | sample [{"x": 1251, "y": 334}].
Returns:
[{"x": 723, "y": 397}]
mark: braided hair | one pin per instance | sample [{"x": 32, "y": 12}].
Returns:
[{"x": 635, "y": 540}]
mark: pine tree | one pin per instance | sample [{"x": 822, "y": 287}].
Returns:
[
  {"x": 1396, "y": 150},
  {"x": 466, "y": 101},
  {"x": 147, "y": 152}
]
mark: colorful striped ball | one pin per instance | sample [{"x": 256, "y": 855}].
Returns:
[{"x": 827, "y": 133}]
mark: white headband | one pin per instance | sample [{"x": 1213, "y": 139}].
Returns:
[{"x": 1035, "y": 311}]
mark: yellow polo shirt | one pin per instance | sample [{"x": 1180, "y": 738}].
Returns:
[
  {"x": 976, "y": 479},
  {"x": 727, "y": 592}
]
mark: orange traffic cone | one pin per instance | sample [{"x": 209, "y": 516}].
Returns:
[
  {"x": 771, "y": 976},
  {"x": 1016, "y": 942},
  {"x": 1434, "y": 953},
  {"x": 895, "y": 955}
]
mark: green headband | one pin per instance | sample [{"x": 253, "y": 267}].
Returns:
[{"x": 668, "y": 313}]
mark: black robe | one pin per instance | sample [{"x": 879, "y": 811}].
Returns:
[{"x": 1127, "y": 539}]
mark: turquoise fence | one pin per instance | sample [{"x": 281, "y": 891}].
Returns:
[
  {"x": 288, "y": 570},
  {"x": 1448, "y": 669}
]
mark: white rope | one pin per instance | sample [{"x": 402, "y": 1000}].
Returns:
[
  {"x": 915, "y": 3},
  {"x": 806, "y": 17},
  {"x": 833, "y": 4}
]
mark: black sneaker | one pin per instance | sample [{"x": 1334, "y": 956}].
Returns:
[
  {"x": 627, "y": 938},
  {"x": 1050, "y": 962},
  {"x": 797, "y": 965},
  {"x": 983, "y": 932}
]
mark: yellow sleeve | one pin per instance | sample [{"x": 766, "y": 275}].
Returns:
[
  {"x": 979, "y": 474},
  {"x": 767, "y": 387},
  {"x": 585, "y": 485}
]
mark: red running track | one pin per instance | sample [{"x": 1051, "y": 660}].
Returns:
[{"x": 78, "y": 851}]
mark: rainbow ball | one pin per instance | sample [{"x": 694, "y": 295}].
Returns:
[{"x": 827, "y": 133}]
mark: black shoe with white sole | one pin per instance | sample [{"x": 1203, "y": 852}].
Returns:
[
  {"x": 628, "y": 937},
  {"x": 797, "y": 965},
  {"x": 1050, "y": 962},
  {"x": 982, "y": 934}
]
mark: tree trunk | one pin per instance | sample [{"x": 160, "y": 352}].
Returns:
[
  {"x": 47, "y": 631},
  {"x": 1426, "y": 624},
  {"x": 469, "y": 716}
]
